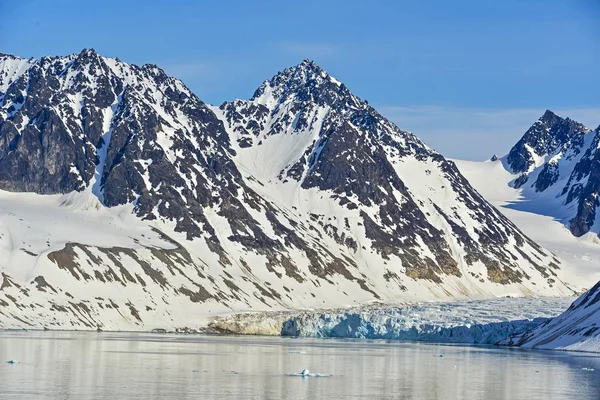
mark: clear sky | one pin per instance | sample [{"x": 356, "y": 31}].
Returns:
[{"x": 468, "y": 77}]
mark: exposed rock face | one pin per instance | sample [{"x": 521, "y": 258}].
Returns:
[
  {"x": 304, "y": 193},
  {"x": 586, "y": 192},
  {"x": 559, "y": 158},
  {"x": 549, "y": 134},
  {"x": 87, "y": 121},
  {"x": 344, "y": 148}
]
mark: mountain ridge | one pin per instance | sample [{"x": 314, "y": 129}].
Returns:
[
  {"x": 303, "y": 195},
  {"x": 557, "y": 162}
]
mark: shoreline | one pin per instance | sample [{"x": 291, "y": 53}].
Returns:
[{"x": 499, "y": 321}]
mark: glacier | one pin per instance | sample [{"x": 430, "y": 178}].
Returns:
[{"x": 490, "y": 321}]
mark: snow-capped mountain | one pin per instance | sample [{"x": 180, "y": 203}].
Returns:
[
  {"x": 304, "y": 133},
  {"x": 577, "y": 329},
  {"x": 148, "y": 208},
  {"x": 558, "y": 165},
  {"x": 547, "y": 186}
]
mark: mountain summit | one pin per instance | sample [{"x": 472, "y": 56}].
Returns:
[
  {"x": 547, "y": 135},
  {"x": 558, "y": 162},
  {"x": 302, "y": 196},
  {"x": 305, "y": 133},
  {"x": 306, "y": 82}
]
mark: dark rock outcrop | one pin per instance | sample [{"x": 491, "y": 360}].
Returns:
[{"x": 568, "y": 168}]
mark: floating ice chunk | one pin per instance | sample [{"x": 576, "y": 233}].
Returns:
[
  {"x": 306, "y": 373},
  {"x": 12, "y": 362},
  {"x": 588, "y": 369}
]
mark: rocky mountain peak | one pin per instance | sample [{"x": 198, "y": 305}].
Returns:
[
  {"x": 558, "y": 165},
  {"x": 88, "y": 53},
  {"x": 561, "y": 128},
  {"x": 86, "y": 59},
  {"x": 336, "y": 152},
  {"x": 11, "y": 69},
  {"x": 309, "y": 64},
  {"x": 4, "y": 56},
  {"x": 549, "y": 118},
  {"x": 549, "y": 134},
  {"x": 305, "y": 82},
  {"x": 300, "y": 195}
]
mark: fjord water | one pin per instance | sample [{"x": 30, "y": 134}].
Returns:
[{"x": 80, "y": 365}]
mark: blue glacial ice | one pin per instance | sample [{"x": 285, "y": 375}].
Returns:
[{"x": 482, "y": 322}]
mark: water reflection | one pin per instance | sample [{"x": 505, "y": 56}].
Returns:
[{"x": 71, "y": 365}]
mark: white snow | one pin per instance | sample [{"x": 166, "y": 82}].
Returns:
[
  {"x": 539, "y": 218},
  {"x": 11, "y": 69},
  {"x": 542, "y": 216},
  {"x": 41, "y": 224},
  {"x": 576, "y": 329},
  {"x": 306, "y": 373},
  {"x": 101, "y": 152},
  {"x": 121, "y": 254}
]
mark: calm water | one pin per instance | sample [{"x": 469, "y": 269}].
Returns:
[{"x": 144, "y": 366}]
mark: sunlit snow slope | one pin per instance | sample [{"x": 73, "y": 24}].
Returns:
[
  {"x": 580, "y": 256},
  {"x": 576, "y": 329},
  {"x": 548, "y": 185},
  {"x": 128, "y": 203}
]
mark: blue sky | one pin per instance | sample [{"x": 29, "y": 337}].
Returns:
[{"x": 468, "y": 77}]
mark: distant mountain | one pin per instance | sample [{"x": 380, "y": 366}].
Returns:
[
  {"x": 577, "y": 329},
  {"x": 302, "y": 196},
  {"x": 558, "y": 162}
]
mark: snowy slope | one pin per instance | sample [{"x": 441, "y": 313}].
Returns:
[
  {"x": 310, "y": 144},
  {"x": 557, "y": 165},
  {"x": 537, "y": 219},
  {"x": 128, "y": 203},
  {"x": 576, "y": 329},
  {"x": 546, "y": 185},
  {"x": 114, "y": 135}
]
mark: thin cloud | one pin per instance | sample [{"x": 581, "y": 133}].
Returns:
[
  {"x": 189, "y": 70},
  {"x": 310, "y": 50},
  {"x": 474, "y": 133},
  {"x": 203, "y": 78}
]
